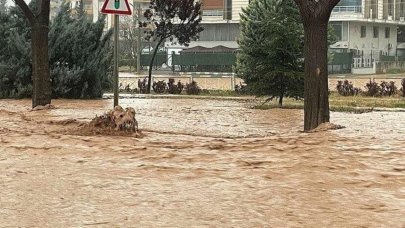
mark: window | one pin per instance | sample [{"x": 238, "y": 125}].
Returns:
[
  {"x": 373, "y": 9},
  {"x": 387, "y": 32},
  {"x": 390, "y": 8},
  {"x": 337, "y": 28},
  {"x": 228, "y": 10},
  {"x": 375, "y": 32},
  {"x": 363, "y": 32}
]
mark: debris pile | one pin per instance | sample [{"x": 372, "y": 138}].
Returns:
[{"x": 118, "y": 119}]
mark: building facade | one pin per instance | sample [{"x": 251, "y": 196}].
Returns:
[{"x": 368, "y": 27}]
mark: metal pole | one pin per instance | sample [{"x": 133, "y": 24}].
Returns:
[
  {"x": 138, "y": 60},
  {"x": 116, "y": 37}
]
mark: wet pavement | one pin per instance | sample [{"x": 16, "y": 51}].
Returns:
[{"x": 201, "y": 163}]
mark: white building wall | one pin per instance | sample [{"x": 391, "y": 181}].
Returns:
[
  {"x": 369, "y": 43},
  {"x": 237, "y": 6},
  {"x": 380, "y": 9}
]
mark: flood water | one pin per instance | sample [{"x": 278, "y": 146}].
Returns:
[{"x": 200, "y": 163}]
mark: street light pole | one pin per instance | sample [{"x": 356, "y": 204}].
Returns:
[{"x": 116, "y": 37}]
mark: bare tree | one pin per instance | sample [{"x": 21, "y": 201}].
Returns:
[
  {"x": 129, "y": 35},
  {"x": 315, "y": 16},
  {"x": 39, "y": 22},
  {"x": 173, "y": 20}
]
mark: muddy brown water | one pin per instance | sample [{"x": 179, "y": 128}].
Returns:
[{"x": 201, "y": 163}]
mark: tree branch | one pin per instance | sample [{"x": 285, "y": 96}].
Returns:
[
  {"x": 332, "y": 3},
  {"x": 44, "y": 12},
  {"x": 26, "y": 10}
]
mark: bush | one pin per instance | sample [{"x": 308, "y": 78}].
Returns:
[
  {"x": 79, "y": 55},
  {"x": 174, "y": 88},
  {"x": 372, "y": 89},
  {"x": 403, "y": 87},
  {"x": 193, "y": 88},
  {"x": 142, "y": 85},
  {"x": 240, "y": 89},
  {"x": 388, "y": 88},
  {"x": 394, "y": 71},
  {"x": 346, "y": 88},
  {"x": 159, "y": 87}
]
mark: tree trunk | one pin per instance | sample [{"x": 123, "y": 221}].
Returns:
[
  {"x": 315, "y": 16},
  {"x": 151, "y": 65},
  {"x": 42, "y": 91},
  {"x": 316, "y": 103},
  {"x": 281, "y": 79}
]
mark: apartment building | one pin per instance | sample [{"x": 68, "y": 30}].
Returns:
[
  {"x": 221, "y": 24},
  {"x": 368, "y": 27}
]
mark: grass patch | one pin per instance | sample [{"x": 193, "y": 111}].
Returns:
[
  {"x": 354, "y": 104},
  {"x": 220, "y": 93}
]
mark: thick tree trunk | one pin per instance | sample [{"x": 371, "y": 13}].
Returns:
[
  {"x": 316, "y": 104},
  {"x": 42, "y": 91},
  {"x": 315, "y": 16}
]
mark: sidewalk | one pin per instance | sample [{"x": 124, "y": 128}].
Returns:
[{"x": 225, "y": 74}]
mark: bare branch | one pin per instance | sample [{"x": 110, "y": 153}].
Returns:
[{"x": 26, "y": 10}]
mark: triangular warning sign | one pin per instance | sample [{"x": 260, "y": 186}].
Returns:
[{"x": 120, "y": 7}]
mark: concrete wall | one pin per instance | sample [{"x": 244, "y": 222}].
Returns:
[{"x": 383, "y": 67}]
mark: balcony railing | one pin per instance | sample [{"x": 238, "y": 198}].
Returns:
[
  {"x": 347, "y": 9},
  {"x": 213, "y": 13}
]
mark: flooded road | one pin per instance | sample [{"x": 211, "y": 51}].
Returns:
[{"x": 201, "y": 163}]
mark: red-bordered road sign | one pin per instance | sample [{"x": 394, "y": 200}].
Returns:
[{"x": 120, "y": 7}]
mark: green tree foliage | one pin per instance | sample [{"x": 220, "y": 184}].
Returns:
[
  {"x": 3, "y": 7},
  {"x": 15, "y": 54},
  {"x": 80, "y": 55},
  {"x": 175, "y": 20},
  {"x": 271, "y": 43}
]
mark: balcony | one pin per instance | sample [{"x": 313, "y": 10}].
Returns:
[
  {"x": 347, "y": 9},
  {"x": 342, "y": 13},
  {"x": 213, "y": 13}
]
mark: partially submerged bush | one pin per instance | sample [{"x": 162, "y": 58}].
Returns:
[
  {"x": 346, "y": 88},
  {"x": 159, "y": 87},
  {"x": 403, "y": 87},
  {"x": 388, "y": 88},
  {"x": 193, "y": 88},
  {"x": 174, "y": 88},
  {"x": 241, "y": 89},
  {"x": 372, "y": 89},
  {"x": 142, "y": 85}
]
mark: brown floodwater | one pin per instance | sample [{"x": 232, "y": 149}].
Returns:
[{"x": 200, "y": 163}]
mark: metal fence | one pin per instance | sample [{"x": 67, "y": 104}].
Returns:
[{"x": 224, "y": 62}]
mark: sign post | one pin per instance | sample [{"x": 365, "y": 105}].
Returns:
[{"x": 116, "y": 7}]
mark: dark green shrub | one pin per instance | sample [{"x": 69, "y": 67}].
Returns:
[
  {"x": 79, "y": 55},
  {"x": 142, "y": 85},
  {"x": 372, "y": 89},
  {"x": 174, "y": 88},
  {"x": 159, "y": 87},
  {"x": 193, "y": 88},
  {"x": 388, "y": 88},
  {"x": 346, "y": 88}
]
